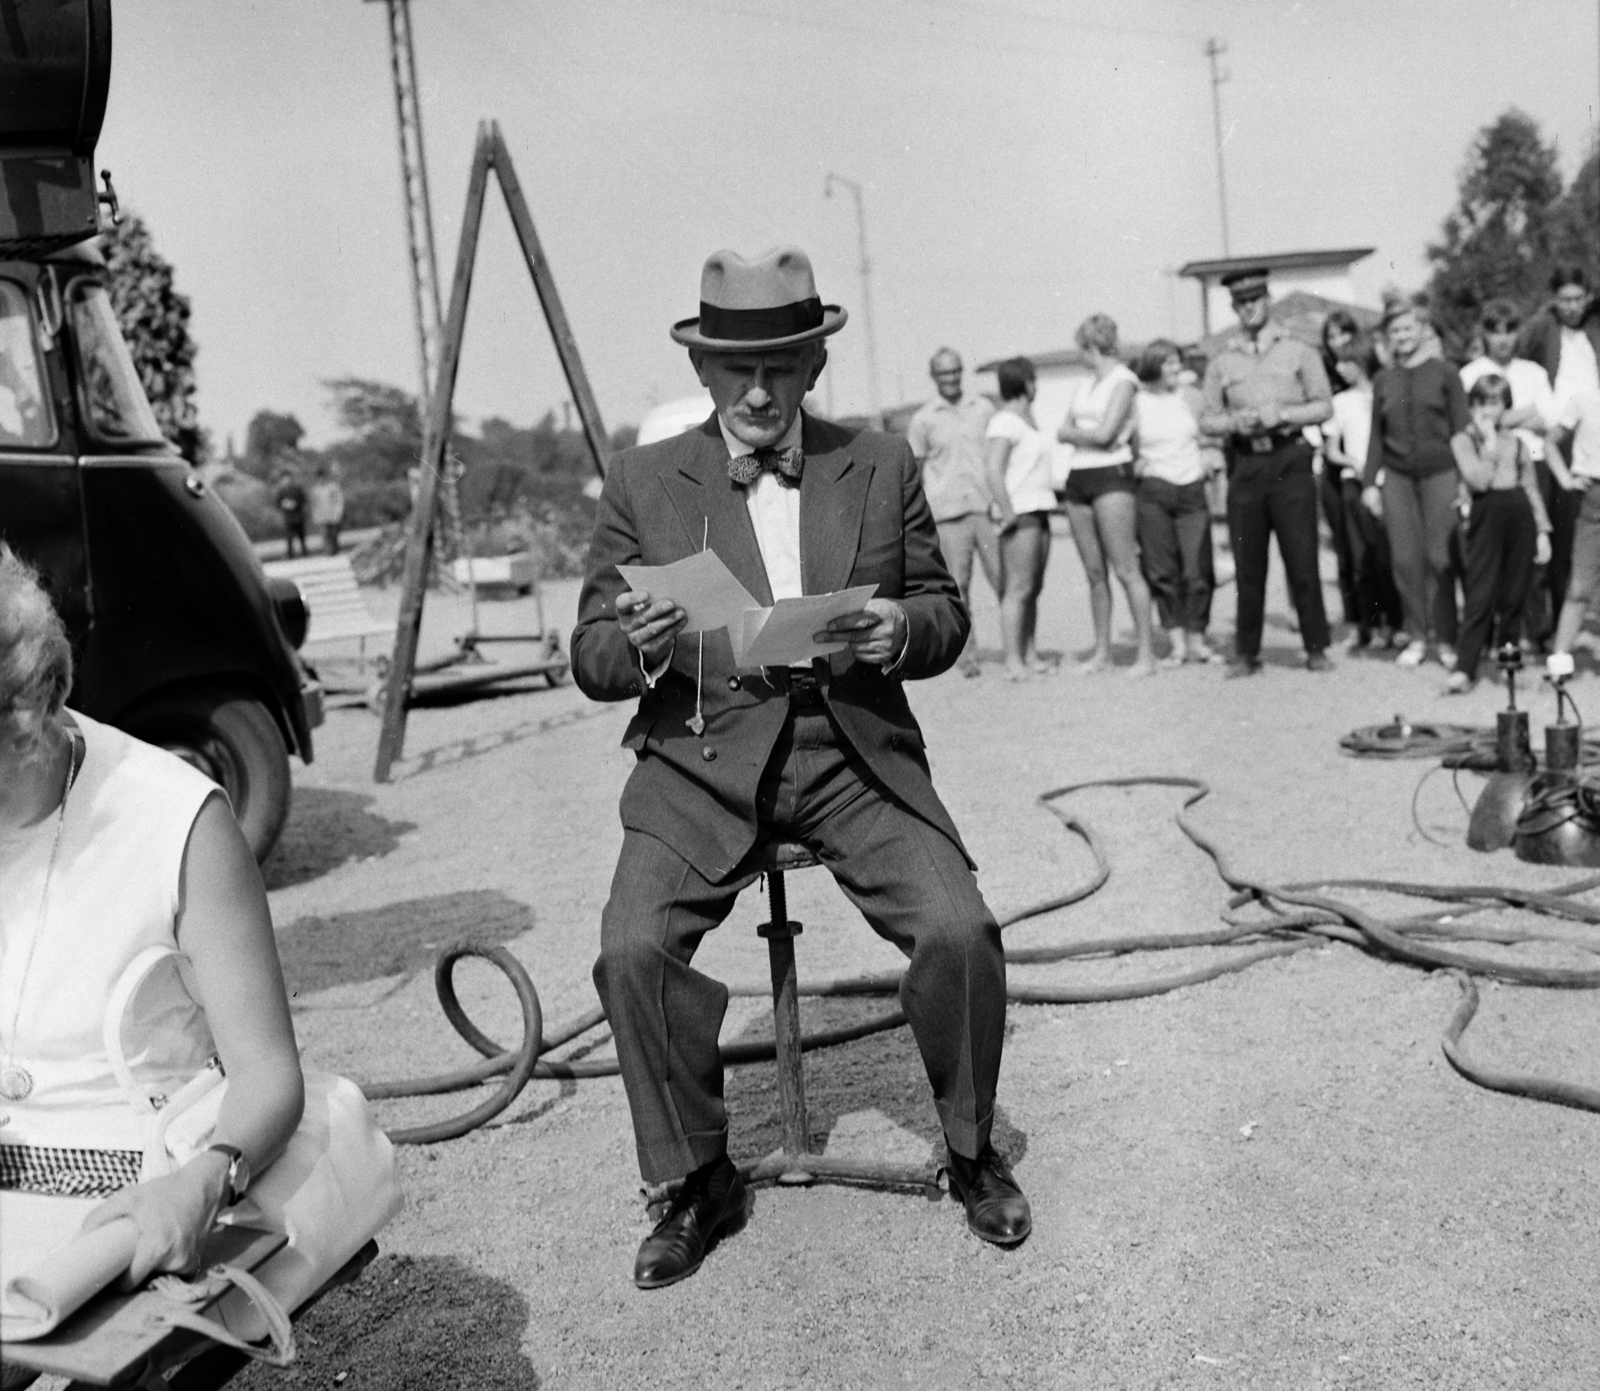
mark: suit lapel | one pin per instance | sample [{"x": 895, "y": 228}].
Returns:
[
  {"x": 833, "y": 492},
  {"x": 702, "y": 493}
]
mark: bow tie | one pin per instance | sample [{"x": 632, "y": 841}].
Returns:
[{"x": 785, "y": 463}]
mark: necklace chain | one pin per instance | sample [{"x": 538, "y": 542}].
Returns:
[{"x": 16, "y": 1082}]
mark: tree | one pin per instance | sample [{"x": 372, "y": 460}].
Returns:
[
  {"x": 270, "y": 437},
  {"x": 385, "y": 424},
  {"x": 1575, "y": 220},
  {"x": 155, "y": 322},
  {"x": 1498, "y": 240}
]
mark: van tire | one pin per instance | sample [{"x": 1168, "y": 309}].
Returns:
[{"x": 235, "y": 742}]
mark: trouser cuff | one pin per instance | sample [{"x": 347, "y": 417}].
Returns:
[
  {"x": 966, "y": 1137},
  {"x": 663, "y": 1163}
]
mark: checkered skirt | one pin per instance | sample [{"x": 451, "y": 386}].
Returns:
[{"x": 67, "y": 1173}]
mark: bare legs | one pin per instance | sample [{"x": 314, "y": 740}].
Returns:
[
  {"x": 1106, "y": 534},
  {"x": 1024, "y": 551}
]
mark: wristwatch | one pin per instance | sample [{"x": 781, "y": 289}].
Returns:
[{"x": 238, "y": 1171}]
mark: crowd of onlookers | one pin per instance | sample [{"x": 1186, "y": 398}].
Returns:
[{"x": 1457, "y": 498}]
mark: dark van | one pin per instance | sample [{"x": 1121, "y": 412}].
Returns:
[{"x": 180, "y": 637}]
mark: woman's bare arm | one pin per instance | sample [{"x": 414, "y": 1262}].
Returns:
[{"x": 225, "y": 929}]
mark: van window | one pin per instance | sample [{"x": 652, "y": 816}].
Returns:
[
  {"x": 115, "y": 401},
  {"x": 25, "y": 419}
]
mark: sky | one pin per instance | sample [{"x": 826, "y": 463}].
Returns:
[{"x": 1023, "y": 163}]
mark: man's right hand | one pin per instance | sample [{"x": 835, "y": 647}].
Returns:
[
  {"x": 1575, "y": 482},
  {"x": 1372, "y": 500},
  {"x": 651, "y": 625}
]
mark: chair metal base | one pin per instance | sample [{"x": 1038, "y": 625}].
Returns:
[{"x": 793, "y": 1163}]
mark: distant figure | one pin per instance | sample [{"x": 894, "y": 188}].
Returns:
[
  {"x": 947, "y": 437},
  {"x": 1341, "y": 339},
  {"x": 1372, "y": 603},
  {"x": 1410, "y": 479},
  {"x": 1532, "y": 416},
  {"x": 1577, "y": 433},
  {"x": 1018, "y": 463},
  {"x": 1099, "y": 492},
  {"x": 1260, "y": 393},
  {"x": 291, "y": 500},
  {"x": 1174, "y": 516},
  {"x": 327, "y": 507},
  {"x": 1507, "y": 532}
]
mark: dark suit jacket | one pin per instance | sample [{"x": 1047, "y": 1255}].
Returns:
[
  {"x": 863, "y": 520},
  {"x": 1540, "y": 339}
]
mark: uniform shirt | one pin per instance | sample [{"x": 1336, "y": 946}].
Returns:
[
  {"x": 1530, "y": 386},
  {"x": 1269, "y": 369},
  {"x": 948, "y": 442}
]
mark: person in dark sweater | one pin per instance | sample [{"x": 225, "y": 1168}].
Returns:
[{"x": 1410, "y": 481}]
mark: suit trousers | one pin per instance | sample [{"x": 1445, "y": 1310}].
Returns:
[
  {"x": 910, "y": 881},
  {"x": 1175, "y": 551},
  {"x": 1275, "y": 493},
  {"x": 1501, "y": 535}
]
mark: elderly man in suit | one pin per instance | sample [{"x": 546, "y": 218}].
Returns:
[{"x": 828, "y": 754}]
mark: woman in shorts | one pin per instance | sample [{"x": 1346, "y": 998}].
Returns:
[
  {"x": 1017, "y": 463},
  {"x": 1099, "y": 492}
]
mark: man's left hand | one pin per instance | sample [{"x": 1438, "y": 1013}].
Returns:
[
  {"x": 1269, "y": 416},
  {"x": 876, "y": 633}
]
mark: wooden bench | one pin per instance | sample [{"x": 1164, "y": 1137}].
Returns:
[{"x": 338, "y": 611}]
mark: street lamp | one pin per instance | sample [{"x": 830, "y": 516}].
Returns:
[{"x": 854, "y": 189}]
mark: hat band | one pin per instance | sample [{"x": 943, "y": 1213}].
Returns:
[{"x": 755, "y": 325}]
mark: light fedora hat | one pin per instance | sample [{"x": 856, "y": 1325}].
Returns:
[{"x": 769, "y": 301}]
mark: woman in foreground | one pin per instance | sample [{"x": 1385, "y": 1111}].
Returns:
[{"x": 109, "y": 846}]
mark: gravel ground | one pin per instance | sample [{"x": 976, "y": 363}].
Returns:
[{"x": 1271, "y": 1180}]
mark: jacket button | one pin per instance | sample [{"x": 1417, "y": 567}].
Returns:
[
  {"x": 709, "y": 754},
  {"x": 734, "y": 683}
]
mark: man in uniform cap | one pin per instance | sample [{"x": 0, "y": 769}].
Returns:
[
  {"x": 1260, "y": 392},
  {"x": 828, "y": 754}
]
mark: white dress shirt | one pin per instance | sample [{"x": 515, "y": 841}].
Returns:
[
  {"x": 774, "y": 508},
  {"x": 1577, "y": 373}
]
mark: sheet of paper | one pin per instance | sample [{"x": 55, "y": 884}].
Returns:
[
  {"x": 701, "y": 585},
  {"x": 785, "y": 634}
]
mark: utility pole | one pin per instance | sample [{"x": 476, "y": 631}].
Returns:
[
  {"x": 1214, "y": 49},
  {"x": 854, "y": 189},
  {"x": 417, "y": 206}
]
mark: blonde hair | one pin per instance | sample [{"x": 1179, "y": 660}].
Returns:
[
  {"x": 1098, "y": 331},
  {"x": 35, "y": 656}
]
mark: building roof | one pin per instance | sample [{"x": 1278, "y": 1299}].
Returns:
[
  {"x": 1282, "y": 260},
  {"x": 1058, "y": 357}
]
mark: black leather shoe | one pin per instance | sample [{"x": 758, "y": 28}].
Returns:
[
  {"x": 711, "y": 1204},
  {"x": 1242, "y": 666},
  {"x": 1318, "y": 661},
  {"x": 997, "y": 1210}
]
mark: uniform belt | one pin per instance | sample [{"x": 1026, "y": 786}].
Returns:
[
  {"x": 805, "y": 691},
  {"x": 1265, "y": 444}
]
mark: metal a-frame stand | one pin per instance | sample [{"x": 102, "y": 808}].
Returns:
[{"x": 400, "y": 689}]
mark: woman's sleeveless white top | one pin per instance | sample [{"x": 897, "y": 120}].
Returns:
[
  {"x": 114, "y": 891},
  {"x": 1088, "y": 411}
]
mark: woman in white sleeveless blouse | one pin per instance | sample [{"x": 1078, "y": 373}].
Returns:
[
  {"x": 1099, "y": 493},
  {"x": 109, "y": 846}
]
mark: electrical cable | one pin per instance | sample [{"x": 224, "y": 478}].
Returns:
[{"x": 1300, "y": 916}]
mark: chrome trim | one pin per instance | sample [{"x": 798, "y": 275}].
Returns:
[
  {"x": 34, "y": 459},
  {"x": 133, "y": 461}
]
